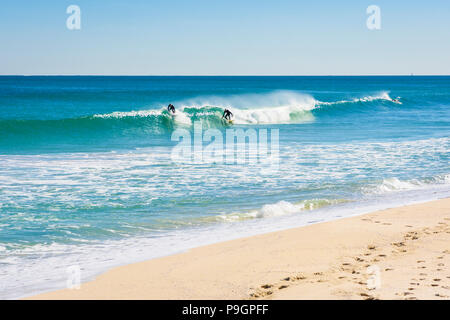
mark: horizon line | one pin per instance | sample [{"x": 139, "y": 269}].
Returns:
[{"x": 221, "y": 75}]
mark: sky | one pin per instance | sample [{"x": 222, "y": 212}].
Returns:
[{"x": 218, "y": 37}]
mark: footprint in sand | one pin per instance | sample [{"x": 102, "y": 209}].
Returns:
[
  {"x": 398, "y": 244},
  {"x": 366, "y": 296}
]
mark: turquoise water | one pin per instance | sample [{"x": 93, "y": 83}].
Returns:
[{"x": 87, "y": 178}]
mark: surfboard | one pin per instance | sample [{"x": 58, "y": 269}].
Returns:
[{"x": 227, "y": 122}]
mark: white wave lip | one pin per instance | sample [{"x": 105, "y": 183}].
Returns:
[
  {"x": 179, "y": 116},
  {"x": 280, "y": 208},
  {"x": 270, "y": 108},
  {"x": 283, "y": 207},
  {"x": 394, "y": 184},
  {"x": 384, "y": 95}
]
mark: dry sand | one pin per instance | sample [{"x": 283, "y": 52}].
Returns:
[{"x": 403, "y": 252}]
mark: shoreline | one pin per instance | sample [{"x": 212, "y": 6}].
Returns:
[{"x": 288, "y": 264}]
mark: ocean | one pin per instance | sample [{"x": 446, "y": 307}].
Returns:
[{"x": 88, "y": 178}]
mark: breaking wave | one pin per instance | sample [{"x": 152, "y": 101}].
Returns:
[{"x": 278, "y": 107}]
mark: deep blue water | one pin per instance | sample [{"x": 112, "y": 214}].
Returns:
[{"x": 86, "y": 170}]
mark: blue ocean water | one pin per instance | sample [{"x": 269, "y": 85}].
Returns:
[{"x": 87, "y": 178}]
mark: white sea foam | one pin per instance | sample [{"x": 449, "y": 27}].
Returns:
[
  {"x": 278, "y": 107},
  {"x": 275, "y": 107},
  {"x": 125, "y": 114},
  {"x": 395, "y": 184},
  {"x": 267, "y": 108},
  {"x": 384, "y": 95}
]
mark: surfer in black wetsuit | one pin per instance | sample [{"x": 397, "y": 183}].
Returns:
[
  {"x": 227, "y": 114},
  {"x": 171, "y": 108}
]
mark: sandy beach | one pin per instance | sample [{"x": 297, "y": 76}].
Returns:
[{"x": 398, "y": 253}]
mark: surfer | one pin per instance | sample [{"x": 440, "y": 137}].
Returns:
[
  {"x": 171, "y": 108},
  {"x": 227, "y": 114}
]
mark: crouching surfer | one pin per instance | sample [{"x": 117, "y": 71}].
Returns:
[
  {"x": 227, "y": 115},
  {"x": 171, "y": 108}
]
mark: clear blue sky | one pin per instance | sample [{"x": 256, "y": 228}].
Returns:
[{"x": 224, "y": 37}]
